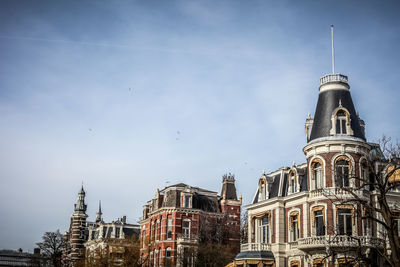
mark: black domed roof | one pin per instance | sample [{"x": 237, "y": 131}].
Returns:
[{"x": 331, "y": 97}]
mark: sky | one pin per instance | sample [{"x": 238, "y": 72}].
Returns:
[{"x": 130, "y": 96}]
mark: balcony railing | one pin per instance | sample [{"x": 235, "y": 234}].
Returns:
[
  {"x": 339, "y": 241},
  {"x": 334, "y": 78},
  {"x": 255, "y": 247},
  {"x": 337, "y": 192}
]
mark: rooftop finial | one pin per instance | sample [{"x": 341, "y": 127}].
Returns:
[{"x": 333, "y": 52}]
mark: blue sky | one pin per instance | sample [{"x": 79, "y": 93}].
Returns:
[{"x": 130, "y": 96}]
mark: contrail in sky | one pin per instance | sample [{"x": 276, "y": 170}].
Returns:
[{"x": 95, "y": 44}]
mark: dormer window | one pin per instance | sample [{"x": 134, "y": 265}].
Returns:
[
  {"x": 293, "y": 186},
  {"x": 262, "y": 189},
  {"x": 186, "y": 201},
  {"x": 341, "y": 122}
]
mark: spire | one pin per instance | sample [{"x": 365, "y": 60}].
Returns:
[
  {"x": 99, "y": 213},
  {"x": 80, "y": 206}
]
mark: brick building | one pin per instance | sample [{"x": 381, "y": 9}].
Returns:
[
  {"x": 173, "y": 220},
  {"x": 299, "y": 214}
]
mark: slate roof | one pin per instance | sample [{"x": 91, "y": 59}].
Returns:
[
  {"x": 278, "y": 180},
  {"x": 328, "y": 101}
]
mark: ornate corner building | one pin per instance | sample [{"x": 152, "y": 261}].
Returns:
[
  {"x": 175, "y": 219},
  {"x": 299, "y": 214}
]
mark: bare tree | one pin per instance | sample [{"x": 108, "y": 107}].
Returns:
[
  {"x": 244, "y": 227},
  {"x": 370, "y": 194},
  {"x": 51, "y": 247}
]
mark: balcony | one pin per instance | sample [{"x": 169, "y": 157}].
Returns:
[
  {"x": 337, "y": 192},
  {"x": 255, "y": 247},
  {"x": 333, "y": 78},
  {"x": 316, "y": 242}
]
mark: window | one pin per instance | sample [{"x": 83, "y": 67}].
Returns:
[
  {"x": 156, "y": 229},
  {"x": 117, "y": 231},
  {"x": 294, "y": 227},
  {"x": 342, "y": 173},
  {"x": 168, "y": 252},
  {"x": 398, "y": 226},
  {"x": 341, "y": 121},
  {"x": 346, "y": 262},
  {"x": 169, "y": 228},
  {"x": 187, "y": 201},
  {"x": 344, "y": 224},
  {"x": 152, "y": 230},
  {"x": 263, "y": 229},
  {"x": 318, "y": 263},
  {"x": 364, "y": 174},
  {"x": 317, "y": 175},
  {"x": 186, "y": 228},
  {"x": 319, "y": 223},
  {"x": 293, "y": 184},
  {"x": 262, "y": 191},
  {"x": 143, "y": 236}
]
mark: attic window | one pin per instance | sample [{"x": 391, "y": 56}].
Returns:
[{"x": 341, "y": 122}]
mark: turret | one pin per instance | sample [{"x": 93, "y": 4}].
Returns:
[
  {"x": 228, "y": 187},
  {"x": 80, "y": 206}
]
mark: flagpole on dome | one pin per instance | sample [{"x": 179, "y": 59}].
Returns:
[{"x": 333, "y": 52}]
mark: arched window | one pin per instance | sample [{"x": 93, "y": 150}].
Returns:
[
  {"x": 168, "y": 252},
  {"x": 342, "y": 169},
  {"x": 317, "y": 176},
  {"x": 341, "y": 122}
]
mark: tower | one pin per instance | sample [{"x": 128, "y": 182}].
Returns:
[
  {"x": 230, "y": 205},
  {"x": 78, "y": 229}
]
